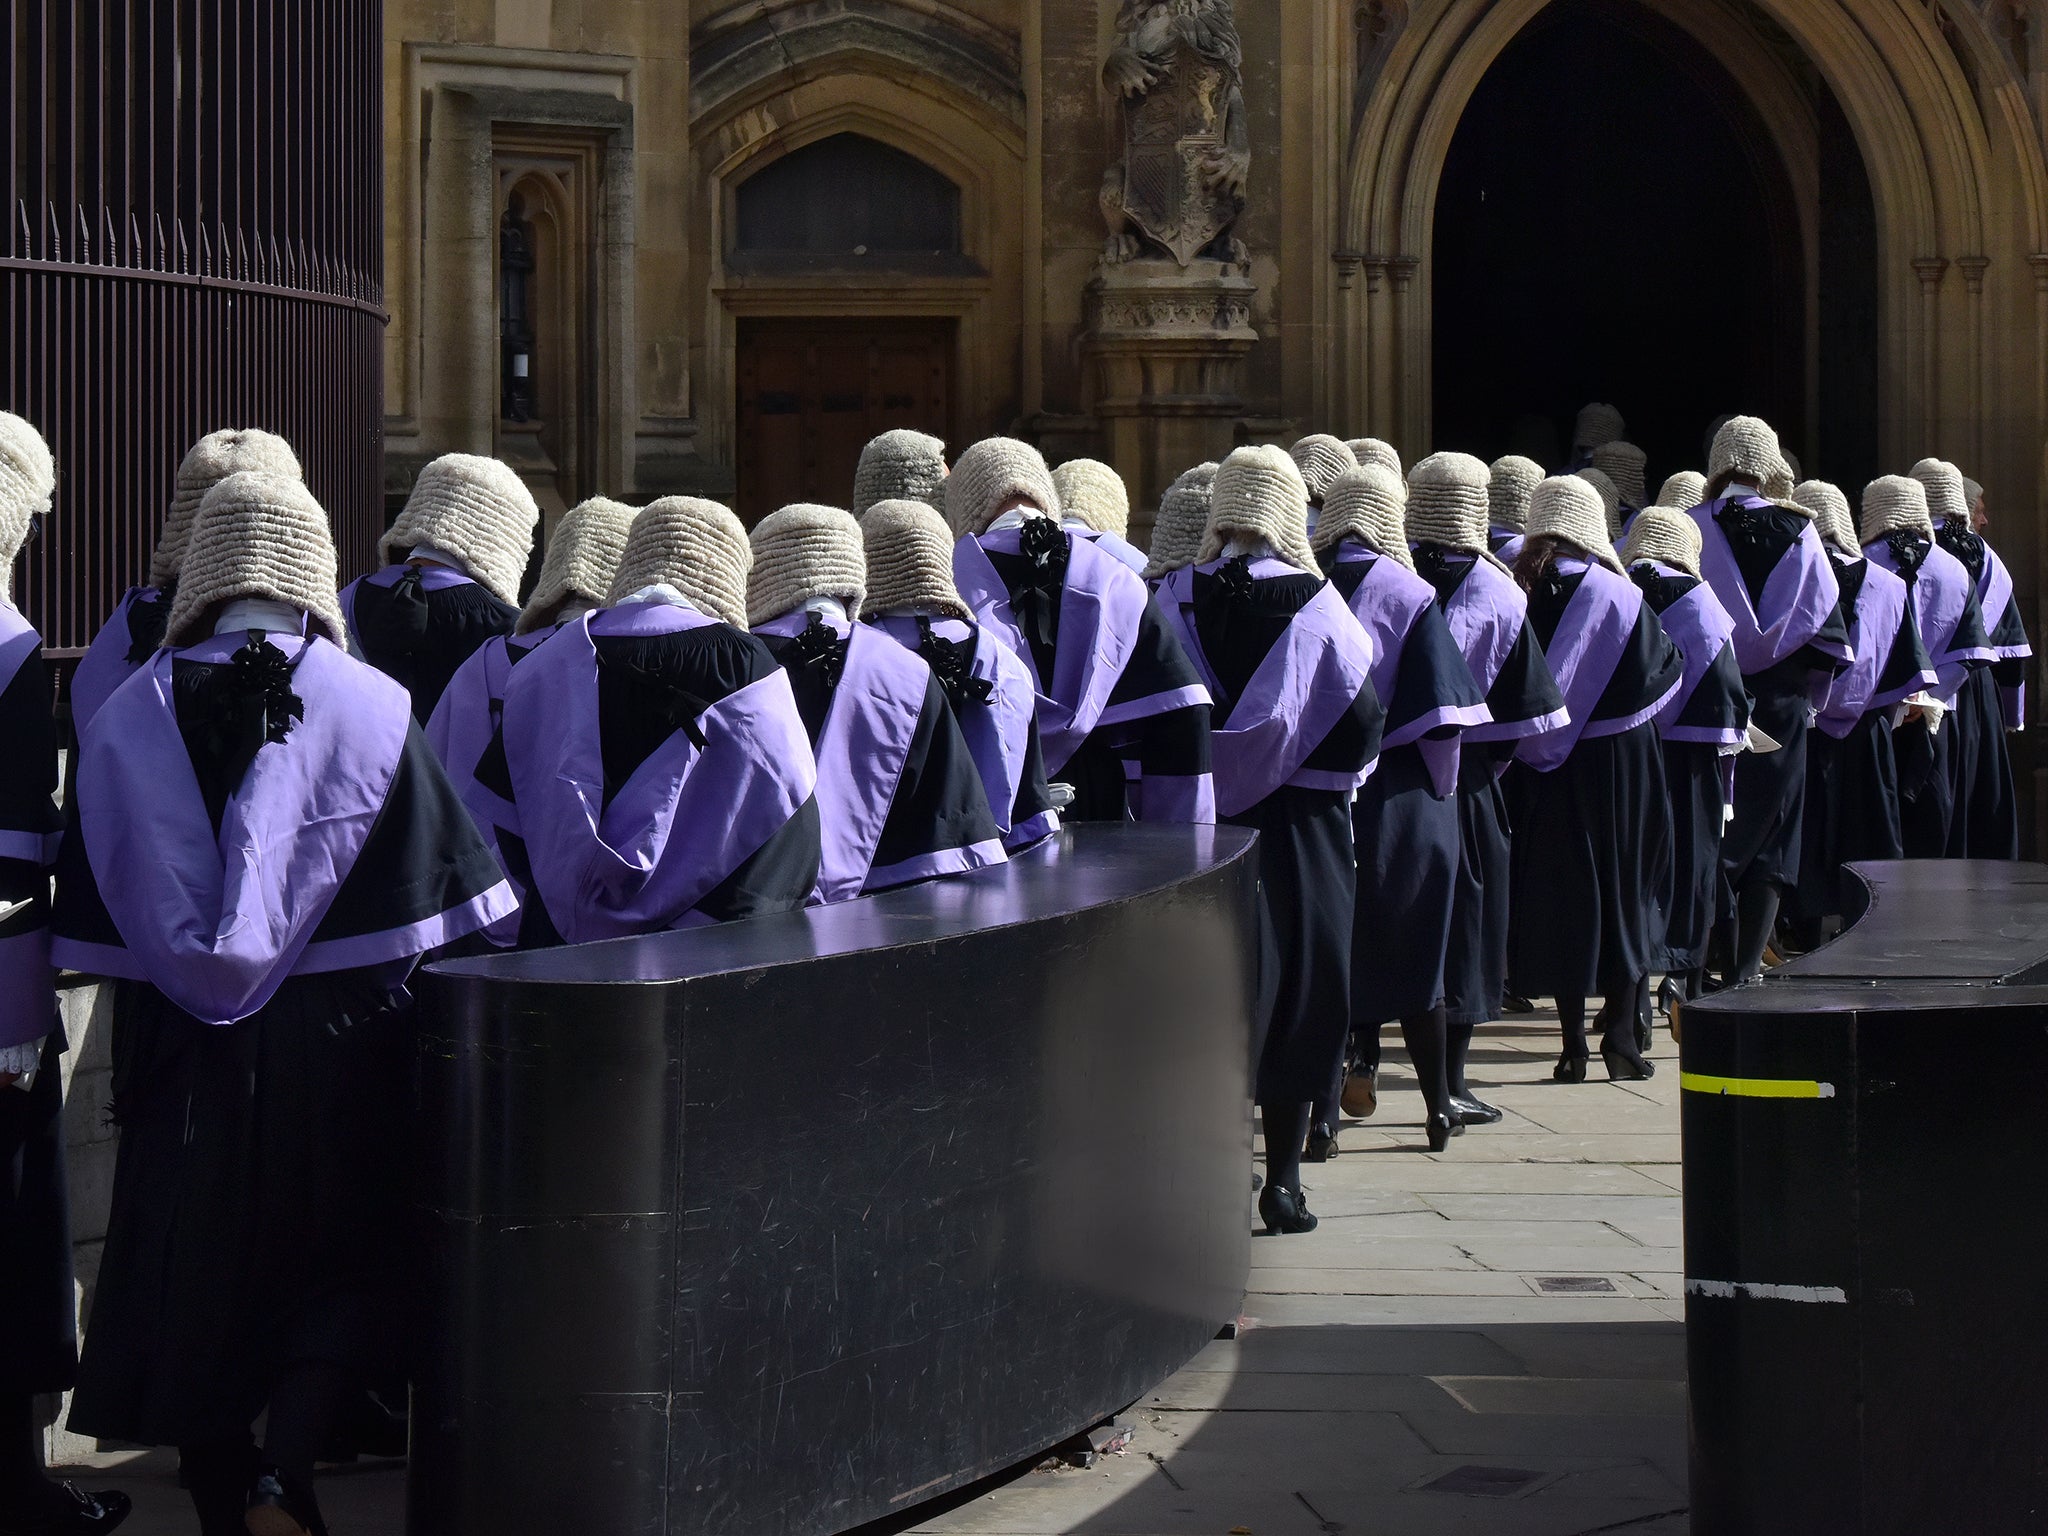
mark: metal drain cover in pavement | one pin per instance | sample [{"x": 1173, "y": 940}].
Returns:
[
  {"x": 1573, "y": 1285},
  {"x": 1484, "y": 1482}
]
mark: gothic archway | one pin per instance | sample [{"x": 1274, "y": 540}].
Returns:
[
  {"x": 1617, "y": 220},
  {"x": 1956, "y": 203}
]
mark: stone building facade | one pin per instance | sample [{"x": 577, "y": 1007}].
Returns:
[{"x": 742, "y": 236}]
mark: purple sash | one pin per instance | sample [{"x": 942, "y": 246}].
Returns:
[
  {"x": 998, "y": 734},
  {"x": 1799, "y": 597},
  {"x": 105, "y": 665},
  {"x": 1588, "y": 642},
  {"x": 217, "y": 923},
  {"x": 1994, "y": 596},
  {"x": 18, "y": 642},
  {"x": 460, "y": 732},
  {"x": 1701, "y": 628},
  {"x": 1487, "y": 613},
  {"x": 1387, "y": 602},
  {"x": 1300, "y": 690},
  {"x": 1873, "y": 628},
  {"x": 1112, "y": 544},
  {"x": 687, "y": 818},
  {"x": 1941, "y": 595},
  {"x": 861, "y": 751},
  {"x": 1100, "y": 611}
]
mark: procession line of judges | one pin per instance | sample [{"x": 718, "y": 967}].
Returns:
[{"x": 1480, "y": 746}]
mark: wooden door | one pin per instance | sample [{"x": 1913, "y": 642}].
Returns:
[{"x": 813, "y": 392}]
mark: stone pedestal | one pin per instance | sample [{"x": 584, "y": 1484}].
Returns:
[{"x": 1165, "y": 348}]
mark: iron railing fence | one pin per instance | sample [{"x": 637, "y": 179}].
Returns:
[{"x": 194, "y": 239}]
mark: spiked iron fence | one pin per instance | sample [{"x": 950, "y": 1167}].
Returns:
[{"x": 194, "y": 210}]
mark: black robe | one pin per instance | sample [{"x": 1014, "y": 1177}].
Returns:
[
  {"x": 1852, "y": 781},
  {"x": 938, "y": 810},
  {"x": 419, "y": 636},
  {"x": 1405, "y": 833},
  {"x": 38, "y": 1310},
  {"x": 1307, "y": 866},
  {"x": 648, "y": 686},
  {"x": 1591, "y": 864},
  {"x": 1524, "y": 689},
  {"x": 1696, "y": 790},
  {"x": 1173, "y": 744},
  {"x": 1984, "y": 820},
  {"x": 261, "y": 1212},
  {"x": 1764, "y": 840}
]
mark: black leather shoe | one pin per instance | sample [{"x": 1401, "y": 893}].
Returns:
[
  {"x": 1514, "y": 1002},
  {"x": 1474, "y": 1111},
  {"x": 1569, "y": 1069},
  {"x": 276, "y": 1510},
  {"x": 1623, "y": 1064},
  {"x": 73, "y": 1512},
  {"x": 1285, "y": 1210},
  {"x": 1322, "y": 1144},
  {"x": 1440, "y": 1129}
]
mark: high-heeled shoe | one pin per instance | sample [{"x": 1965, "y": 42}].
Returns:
[
  {"x": 1361, "y": 1095},
  {"x": 1440, "y": 1129},
  {"x": 1285, "y": 1210},
  {"x": 70, "y": 1511},
  {"x": 1474, "y": 1111},
  {"x": 1625, "y": 1065},
  {"x": 278, "y": 1510},
  {"x": 1569, "y": 1069},
  {"x": 1322, "y": 1143}
]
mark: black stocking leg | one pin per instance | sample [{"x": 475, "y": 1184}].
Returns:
[
  {"x": 1645, "y": 1014},
  {"x": 1425, "y": 1036},
  {"x": 1756, "y": 913},
  {"x": 1281, "y": 1206},
  {"x": 1286, "y": 1131},
  {"x": 1467, "y": 1106},
  {"x": 1618, "y": 1047},
  {"x": 1571, "y": 1018},
  {"x": 218, "y": 1475},
  {"x": 22, "y": 1484}
]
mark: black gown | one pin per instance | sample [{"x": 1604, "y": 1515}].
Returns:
[
  {"x": 1307, "y": 867},
  {"x": 1592, "y": 852},
  {"x": 1172, "y": 744},
  {"x": 260, "y": 1213},
  {"x": 648, "y": 688},
  {"x": 420, "y": 636},
  {"x": 37, "y": 1301},
  {"x": 938, "y": 803},
  {"x": 1696, "y": 790},
  {"x": 1406, "y": 834},
  {"x": 1852, "y": 781},
  {"x": 1764, "y": 839},
  {"x": 1475, "y": 961},
  {"x": 1984, "y": 820}
]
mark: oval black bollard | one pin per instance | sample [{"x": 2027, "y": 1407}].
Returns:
[
  {"x": 1866, "y": 1266},
  {"x": 786, "y": 1225}
]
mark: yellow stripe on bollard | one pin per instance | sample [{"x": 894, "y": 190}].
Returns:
[{"x": 1754, "y": 1087}]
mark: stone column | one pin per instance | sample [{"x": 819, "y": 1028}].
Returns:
[
  {"x": 1165, "y": 349},
  {"x": 1930, "y": 270}
]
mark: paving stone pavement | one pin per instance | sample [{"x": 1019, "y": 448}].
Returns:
[{"x": 1409, "y": 1341}]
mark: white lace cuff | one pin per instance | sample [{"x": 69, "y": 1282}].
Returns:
[{"x": 21, "y": 1059}]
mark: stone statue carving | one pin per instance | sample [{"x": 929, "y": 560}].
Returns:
[{"x": 1179, "y": 158}]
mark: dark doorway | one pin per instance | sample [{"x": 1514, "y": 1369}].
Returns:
[
  {"x": 1614, "y": 223},
  {"x": 812, "y": 392}
]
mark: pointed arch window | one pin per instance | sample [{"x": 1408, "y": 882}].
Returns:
[{"x": 848, "y": 203}]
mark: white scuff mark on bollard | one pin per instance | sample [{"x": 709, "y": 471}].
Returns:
[{"x": 1753, "y": 1290}]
